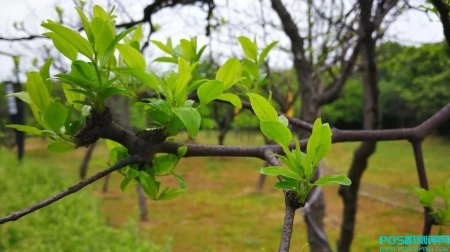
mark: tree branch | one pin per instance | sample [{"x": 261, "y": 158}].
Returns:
[
  {"x": 297, "y": 43},
  {"x": 149, "y": 10},
  {"x": 444, "y": 15},
  {"x": 75, "y": 188}
]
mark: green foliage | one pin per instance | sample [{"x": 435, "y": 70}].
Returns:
[
  {"x": 74, "y": 224},
  {"x": 413, "y": 82},
  {"x": 347, "y": 111},
  {"x": 428, "y": 198},
  {"x": 415, "y": 79},
  {"x": 106, "y": 63},
  {"x": 300, "y": 166}
]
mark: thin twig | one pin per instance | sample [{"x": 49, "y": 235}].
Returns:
[{"x": 75, "y": 188}]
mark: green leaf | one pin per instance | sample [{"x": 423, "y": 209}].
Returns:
[
  {"x": 103, "y": 28},
  {"x": 86, "y": 24},
  {"x": 72, "y": 95},
  {"x": 131, "y": 56},
  {"x": 75, "y": 81},
  {"x": 190, "y": 118},
  {"x": 45, "y": 74},
  {"x": 149, "y": 184},
  {"x": 112, "y": 90},
  {"x": 125, "y": 182},
  {"x": 249, "y": 47},
  {"x": 164, "y": 164},
  {"x": 319, "y": 143},
  {"x": 37, "y": 90},
  {"x": 262, "y": 108},
  {"x": 103, "y": 32},
  {"x": 63, "y": 46},
  {"x": 74, "y": 38},
  {"x": 148, "y": 79},
  {"x": 266, "y": 51},
  {"x": 71, "y": 128},
  {"x": 23, "y": 96},
  {"x": 129, "y": 176},
  {"x": 179, "y": 87},
  {"x": 60, "y": 147},
  {"x": 276, "y": 132},
  {"x": 283, "y": 120},
  {"x": 333, "y": 179},
  {"x": 288, "y": 185},
  {"x": 181, "y": 151},
  {"x": 55, "y": 116},
  {"x": 231, "y": 98},
  {"x": 279, "y": 171},
  {"x": 160, "y": 112},
  {"x": 170, "y": 193},
  {"x": 200, "y": 52},
  {"x": 84, "y": 70},
  {"x": 165, "y": 48},
  {"x": 426, "y": 197},
  {"x": 209, "y": 91},
  {"x": 229, "y": 72},
  {"x": 166, "y": 60},
  {"x": 25, "y": 128},
  {"x": 251, "y": 68},
  {"x": 112, "y": 46},
  {"x": 188, "y": 49}
]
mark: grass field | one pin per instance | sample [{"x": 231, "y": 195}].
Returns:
[{"x": 222, "y": 210}]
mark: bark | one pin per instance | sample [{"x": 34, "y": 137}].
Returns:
[
  {"x": 287, "y": 228},
  {"x": 443, "y": 10},
  {"x": 106, "y": 183},
  {"x": 143, "y": 211},
  {"x": 423, "y": 181},
  {"x": 123, "y": 116},
  {"x": 314, "y": 217},
  {"x": 371, "y": 121},
  {"x": 312, "y": 98},
  {"x": 260, "y": 182},
  {"x": 86, "y": 159}
]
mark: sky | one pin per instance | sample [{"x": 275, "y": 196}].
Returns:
[{"x": 412, "y": 28}]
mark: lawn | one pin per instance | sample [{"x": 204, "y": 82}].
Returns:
[{"x": 222, "y": 210}]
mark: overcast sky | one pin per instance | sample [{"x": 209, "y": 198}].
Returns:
[{"x": 413, "y": 27}]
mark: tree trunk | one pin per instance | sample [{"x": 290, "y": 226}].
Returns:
[
  {"x": 143, "y": 211},
  {"x": 314, "y": 217},
  {"x": 122, "y": 116},
  {"x": 85, "y": 163},
  {"x": 371, "y": 121},
  {"x": 106, "y": 183}
]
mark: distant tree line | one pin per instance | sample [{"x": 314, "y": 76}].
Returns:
[{"x": 414, "y": 82}]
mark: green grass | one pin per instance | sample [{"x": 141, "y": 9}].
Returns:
[
  {"x": 222, "y": 210},
  {"x": 393, "y": 163},
  {"x": 73, "y": 224}
]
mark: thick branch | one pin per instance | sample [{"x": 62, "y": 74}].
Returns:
[
  {"x": 75, "y": 188},
  {"x": 335, "y": 89},
  {"x": 423, "y": 181},
  {"x": 31, "y": 37},
  {"x": 297, "y": 43},
  {"x": 444, "y": 11}
]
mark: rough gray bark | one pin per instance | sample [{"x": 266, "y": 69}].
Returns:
[
  {"x": 86, "y": 159},
  {"x": 371, "y": 121}
]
